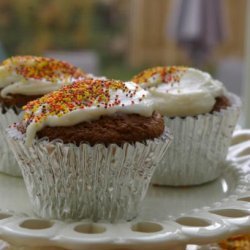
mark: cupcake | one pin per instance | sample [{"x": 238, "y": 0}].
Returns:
[
  {"x": 89, "y": 150},
  {"x": 200, "y": 113},
  {"x": 22, "y": 79}
]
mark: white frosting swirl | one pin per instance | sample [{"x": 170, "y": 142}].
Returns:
[
  {"x": 16, "y": 85},
  {"x": 129, "y": 100},
  {"x": 189, "y": 92},
  {"x": 14, "y": 81}
]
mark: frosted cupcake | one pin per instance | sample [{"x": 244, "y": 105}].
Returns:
[
  {"x": 201, "y": 114},
  {"x": 22, "y": 79},
  {"x": 89, "y": 150}
]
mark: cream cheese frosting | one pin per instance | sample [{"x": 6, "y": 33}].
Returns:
[
  {"x": 84, "y": 101},
  {"x": 32, "y": 75},
  {"x": 180, "y": 91}
]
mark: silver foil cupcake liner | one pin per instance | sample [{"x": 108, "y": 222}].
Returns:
[
  {"x": 99, "y": 182},
  {"x": 8, "y": 163},
  {"x": 199, "y": 148}
]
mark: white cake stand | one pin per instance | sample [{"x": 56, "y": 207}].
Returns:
[{"x": 171, "y": 218}]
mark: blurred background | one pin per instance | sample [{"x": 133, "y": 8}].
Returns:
[{"x": 118, "y": 38}]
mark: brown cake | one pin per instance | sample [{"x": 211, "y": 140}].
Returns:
[
  {"x": 201, "y": 114},
  {"x": 26, "y": 78},
  {"x": 22, "y": 79},
  {"x": 221, "y": 102},
  {"x": 119, "y": 129},
  {"x": 17, "y": 100},
  {"x": 116, "y": 127},
  {"x": 89, "y": 150}
]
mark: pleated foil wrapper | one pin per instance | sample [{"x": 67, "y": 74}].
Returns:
[
  {"x": 8, "y": 163},
  {"x": 199, "y": 148},
  {"x": 99, "y": 182}
]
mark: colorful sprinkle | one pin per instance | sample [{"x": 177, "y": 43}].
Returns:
[
  {"x": 159, "y": 74},
  {"x": 79, "y": 95},
  {"x": 42, "y": 68}
]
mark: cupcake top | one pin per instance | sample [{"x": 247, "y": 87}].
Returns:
[
  {"x": 32, "y": 75},
  {"x": 85, "y": 100},
  {"x": 180, "y": 91}
]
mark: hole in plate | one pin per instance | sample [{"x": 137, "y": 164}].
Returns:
[
  {"x": 4, "y": 216},
  {"x": 90, "y": 229},
  {"x": 244, "y": 199},
  {"x": 244, "y": 152},
  {"x": 36, "y": 224},
  {"x": 146, "y": 227},
  {"x": 232, "y": 213},
  {"x": 239, "y": 138},
  {"x": 192, "y": 222}
]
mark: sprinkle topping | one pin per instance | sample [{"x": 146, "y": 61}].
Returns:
[
  {"x": 82, "y": 94},
  {"x": 42, "y": 68},
  {"x": 159, "y": 74},
  {"x": 180, "y": 91}
]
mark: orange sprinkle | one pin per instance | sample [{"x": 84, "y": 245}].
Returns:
[
  {"x": 79, "y": 95},
  {"x": 42, "y": 68},
  {"x": 167, "y": 74}
]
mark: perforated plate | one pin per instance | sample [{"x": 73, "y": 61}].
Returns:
[{"x": 169, "y": 217}]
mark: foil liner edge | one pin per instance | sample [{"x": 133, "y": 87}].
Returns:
[
  {"x": 65, "y": 181},
  {"x": 199, "y": 149},
  {"x": 8, "y": 164}
]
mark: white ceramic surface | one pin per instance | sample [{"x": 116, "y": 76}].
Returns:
[{"x": 171, "y": 217}]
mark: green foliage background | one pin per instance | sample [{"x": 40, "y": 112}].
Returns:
[
  {"x": 32, "y": 26},
  {"x": 36, "y": 26}
]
